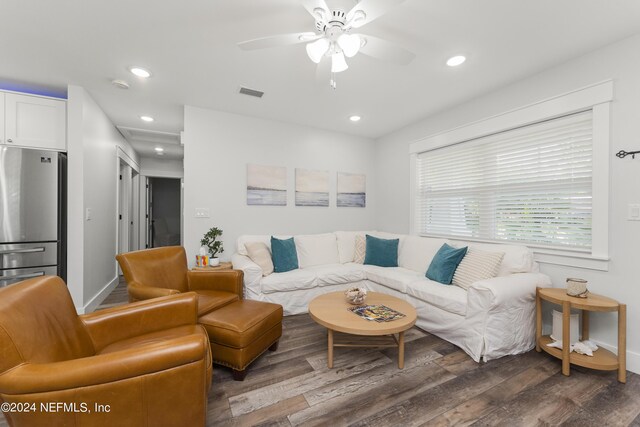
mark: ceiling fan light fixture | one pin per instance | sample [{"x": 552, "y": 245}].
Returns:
[
  {"x": 338, "y": 63},
  {"x": 317, "y": 49},
  {"x": 350, "y": 44}
]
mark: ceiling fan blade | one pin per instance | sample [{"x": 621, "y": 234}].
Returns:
[
  {"x": 387, "y": 51},
  {"x": 279, "y": 40},
  {"x": 312, "y": 5},
  {"x": 373, "y": 9}
]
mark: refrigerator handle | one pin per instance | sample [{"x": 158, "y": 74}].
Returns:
[
  {"x": 22, "y": 276},
  {"x": 21, "y": 251}
]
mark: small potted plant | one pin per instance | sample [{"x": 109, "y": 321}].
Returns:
[{"x": 210, "y": 241}]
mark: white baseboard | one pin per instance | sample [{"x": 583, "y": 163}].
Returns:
[
  {"x": 99, "y": 297},
  {"x": 633, "y": 359}
]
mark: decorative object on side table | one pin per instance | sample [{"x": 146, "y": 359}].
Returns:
[
  {"x": 211, "y": 242},
  {"x": 356, "y": 296},
  {"x": 577, "y": 287}
]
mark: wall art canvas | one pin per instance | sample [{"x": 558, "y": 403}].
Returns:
[
  {"x": 266, "y": 185},
  {"x": 312, "y": 188},
  {"x": 352, "y": 190}
]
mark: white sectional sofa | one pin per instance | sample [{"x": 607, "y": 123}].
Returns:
[{"x": 493, "y": 318}]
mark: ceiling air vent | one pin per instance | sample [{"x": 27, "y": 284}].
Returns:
[{"x": 251, "y": 92}]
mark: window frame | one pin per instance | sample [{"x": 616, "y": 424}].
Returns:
[{"x": 597, "y": 98}]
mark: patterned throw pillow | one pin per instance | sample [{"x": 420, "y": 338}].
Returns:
[
  {"x": 360, "y": 249},
  {"x": 477, "y": 265},
  {"x": 260, "y": 254}
]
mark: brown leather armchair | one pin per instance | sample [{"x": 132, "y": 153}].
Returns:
[
  {"x": 239, "y": 330},
  {"x": 146, "y": 363},
  {"x": 163, "y": 271}
]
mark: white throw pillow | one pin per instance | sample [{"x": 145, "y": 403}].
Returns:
[
  {"x": 260, "y": 254},
  {"x": 317, "y": 249},
  {"x": 477, "y": 265},
  {"x": 360, "y": 249}
]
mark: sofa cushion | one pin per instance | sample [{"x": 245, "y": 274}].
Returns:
[
  {"x": 285, "y": 256},
  {"x": 475, "y": 266},
  {"x": 381, "y": 252},
  {"x": 317, "y": 249},
  {"x": 338, "y": 274},
  {"x": 289, "y": 281},
  {"x": 444, "y": 264},
  {"x": 449, "y": 298},
  {"x": 392, "y": 277},
  {"x": 417, "y": 252}
]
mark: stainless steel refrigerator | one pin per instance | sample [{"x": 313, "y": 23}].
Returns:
[{"x": 32, "y": 214}]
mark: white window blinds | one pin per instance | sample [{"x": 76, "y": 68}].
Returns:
[{"x": 530, "y": 185}]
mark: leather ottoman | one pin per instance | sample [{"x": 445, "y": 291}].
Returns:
[{"x": 241, "y": 331}]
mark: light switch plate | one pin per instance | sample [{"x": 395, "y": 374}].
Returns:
[
  {"x": 202, "y": 213},
  {"x": 634, "y": 212}
]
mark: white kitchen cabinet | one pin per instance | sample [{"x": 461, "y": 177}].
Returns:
[{"x": 35, "y": 122}]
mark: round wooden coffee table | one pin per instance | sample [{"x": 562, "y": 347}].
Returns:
[{"x": 330, "y": 311}]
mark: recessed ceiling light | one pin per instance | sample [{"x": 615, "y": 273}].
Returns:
[
  {"x": 456, "y": 60},
  {"x": 159, "y": 149},
  {"x": 355, "y": 118},
  {"x": 146, "y": 119},
  {"x": 140, "y": 72}
]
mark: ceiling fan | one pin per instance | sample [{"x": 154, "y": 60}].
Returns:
[{"x": 334, "y": 38}]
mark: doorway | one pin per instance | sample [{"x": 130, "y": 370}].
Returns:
[{"x": 163, "y": 212}]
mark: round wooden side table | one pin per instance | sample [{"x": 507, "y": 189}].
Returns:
[
  {"x": 602, "y": 359},
  {"x": 221, "y": 266}
]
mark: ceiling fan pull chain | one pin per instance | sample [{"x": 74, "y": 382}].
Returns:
[{"x": 332, "y": 81}]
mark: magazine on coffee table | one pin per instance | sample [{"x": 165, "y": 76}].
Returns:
[{"x": 378, "y": 313}]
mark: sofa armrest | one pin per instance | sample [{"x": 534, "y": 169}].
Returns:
[
  {"x": 223, "y": 280},
  {"x": 104, "y": 368},
  {"x": 506, "y": 291},
  {"x": 139, "y": 318},
  {"x": 252, "y": 271},
  {"x": 138, "y": 292}
]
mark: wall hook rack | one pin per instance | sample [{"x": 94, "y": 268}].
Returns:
[{"x": 622, "y": 154}]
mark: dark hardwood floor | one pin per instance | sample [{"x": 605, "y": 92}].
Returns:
[{"x": 439, "y": 386}]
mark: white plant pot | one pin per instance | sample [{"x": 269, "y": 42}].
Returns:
[{"x": 214, "y": 262}]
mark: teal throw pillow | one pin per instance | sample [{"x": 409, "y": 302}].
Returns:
[
  {"x": 444, "y": 264},
  {"x": 381, "y": 252},
  {"x": 284, "y": 255}
]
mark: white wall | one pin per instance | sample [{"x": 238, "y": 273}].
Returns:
[
  {"x": 620, "y": 62},
  {"x": 93, "y": 180},
  {"x": 161, "y": 167},
  {"x": 218, "y": 147}
]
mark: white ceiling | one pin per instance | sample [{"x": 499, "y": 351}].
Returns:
[{"x": 190, "y": 46}]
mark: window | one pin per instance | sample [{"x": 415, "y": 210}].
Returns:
[
  {"x": 530, "y": 185},
  {"x": 536, "y": 175}
]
